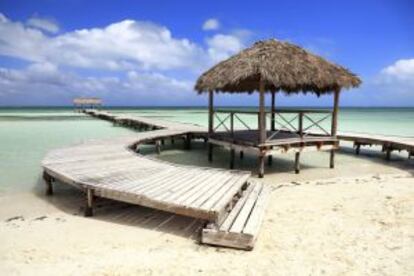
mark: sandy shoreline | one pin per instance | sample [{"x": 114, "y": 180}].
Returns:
[
  {"x": 357, "y": 219},
  {"x": 346, "y": 225}
]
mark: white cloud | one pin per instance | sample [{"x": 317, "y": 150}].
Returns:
[
  {"x": 118, "y": 46},
  {"x": 402, "y": 69},
  {"x": 47, "y": 80},
  {"x": 44, "y": 24},
  {"x": 141, "y": 58},
  {"x": 222, "y": 46},
  {"x": 393, "y": 85},
  {"x": 211, "y": 24}
]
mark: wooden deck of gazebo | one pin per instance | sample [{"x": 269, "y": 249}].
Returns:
[{"x": 289, "y": 130}]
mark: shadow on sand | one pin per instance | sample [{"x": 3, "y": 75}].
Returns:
[{"x": 72, "y": 201}]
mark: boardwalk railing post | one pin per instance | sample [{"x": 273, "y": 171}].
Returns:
[
  {"x": 232, "y": 124},
  {"x": 300, "y": 124}
]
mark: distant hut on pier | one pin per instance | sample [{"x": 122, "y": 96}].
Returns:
[
  {"x": 274, "y": 66},
  {"x": 83, "y": 103}
]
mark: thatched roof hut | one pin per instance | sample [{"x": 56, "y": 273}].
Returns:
[
  {"x": 273, "y": 66},
  {"x": 280, "y": 66}
]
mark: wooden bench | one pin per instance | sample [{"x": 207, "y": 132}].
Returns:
[{"x": 241, "y": 226}]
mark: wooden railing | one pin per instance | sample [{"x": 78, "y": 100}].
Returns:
[{"x": 301, "y": 123}]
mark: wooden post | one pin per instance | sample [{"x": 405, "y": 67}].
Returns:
[
  {"x": 273, "y": 110},
  {"x": 262, "y": 126},
  {"x": 261, "y": 160},
  {"x": 241, "y": 154},
  {"x": 210, "y": 152},
  {"x": 232, "y": 154},
  {"x": 262, "y": 115},
  {"x": 269, "y": 160},
  {"x": 158, "y": 147},
  {"x": 89, "y": 203},
  {"x": 188, "y": 141},
  {"x": 357, "y": 148},
  {"x": 49, "y": 186},
  {"x": 388, "y": 154},
  {"x": 300, "y": 124},
  {"x": 210, "y": 123},
  {"x": 334, "y": 125},
  {"x": 232, "y": 124},
  {"x": 297, "y": 162}
]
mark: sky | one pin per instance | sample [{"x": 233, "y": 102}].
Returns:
[{"x": 150, "y": 53}]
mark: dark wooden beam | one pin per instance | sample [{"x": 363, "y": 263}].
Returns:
[
  {"x": 261, "y": 160},
  {"x": 262, "y": 126},
  {"x": 297, "y": 162},
  {"x": 210, "y": 112},
  {"x": 334, "y": 125},
  {"x": 89, "y": 203},
  {"x": 232, "y": 154},
  {"x": 262, "y": 116},
  {"x": 210, "y": 123},
  {"x": 273, "y": 110}
]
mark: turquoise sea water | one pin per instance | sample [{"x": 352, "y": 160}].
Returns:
[{"x": 26, "y": 134}]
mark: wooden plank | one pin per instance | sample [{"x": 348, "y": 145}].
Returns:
[
  {"x": 228, "y": 222},
  {"x": 241, "y": 219},
  {"x": 256, "y": 216}
]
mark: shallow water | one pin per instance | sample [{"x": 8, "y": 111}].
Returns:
[{"x": 26, "y": 134}]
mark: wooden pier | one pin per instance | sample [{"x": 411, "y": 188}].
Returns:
[
  {"x": 231, "y": 204},
  {"x": 113, "y": 169},
  {"x": 388, "y": 143}
]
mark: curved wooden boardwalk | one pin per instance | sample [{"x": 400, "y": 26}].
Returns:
[
  {"x": 233, "y": 204},
  {"x": 113, "y": 169}
]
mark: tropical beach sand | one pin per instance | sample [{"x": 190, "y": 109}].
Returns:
[{"x": 357, "y": 219}]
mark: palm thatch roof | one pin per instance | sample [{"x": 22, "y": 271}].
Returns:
[{"x": 281, "y": 66}]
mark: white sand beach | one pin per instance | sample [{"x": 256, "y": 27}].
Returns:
[{"x": 340, "y": 225}]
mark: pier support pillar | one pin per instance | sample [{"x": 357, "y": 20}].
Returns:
[
  {"x": 158, "y": 146},
  {"x": 297, "y": 162},
  {"x": 188, "y": 141},
  {"x": 357, "y": 148},
  {"x": 388, "y": 154},
  {"x": 269, "y": 160},
  {"x": 232, "y": 154},
  {"x": 49, "y": 186},
  {"x": 89, "y": 203},
  {"x": 241, "y": 154},
  {"x": 332, "y": 159},
  {"x": 261, "y": 161},
  {"x": 210, "y": 152}
]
